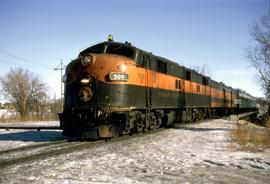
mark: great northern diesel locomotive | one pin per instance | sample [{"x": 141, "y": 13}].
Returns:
[{"x": 113, "y": 89}]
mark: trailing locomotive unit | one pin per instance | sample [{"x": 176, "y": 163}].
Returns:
[{"x": 115, "y": 88}]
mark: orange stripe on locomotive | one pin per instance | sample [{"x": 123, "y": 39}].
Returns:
[{"x": 103, "y": 64}]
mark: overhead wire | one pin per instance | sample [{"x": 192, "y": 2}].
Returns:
[
  {"x": 9, "y": 62},
  {"x": 20, "y": 58}
]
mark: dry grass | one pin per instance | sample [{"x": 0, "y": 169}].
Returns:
[
  {"x": 250, "y": 137},
  {"x": 268, "y": 131},
  {"x": 4, "y": 119},
  {"x": 268, "y": 123}
]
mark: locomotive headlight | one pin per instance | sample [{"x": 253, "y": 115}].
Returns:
[
  {"x": 115, "y": 76},
  {"x": 87, "y": 60},
  {"x": 85, "y": 94}
]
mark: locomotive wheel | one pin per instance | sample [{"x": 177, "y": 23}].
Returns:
[
  {"x": 159, "y": 122},
  {"x": 152, "y": 124},
  {"x": 139, "y": 125}
]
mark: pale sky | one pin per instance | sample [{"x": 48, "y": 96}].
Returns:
[{"x": 37, "y": 34}]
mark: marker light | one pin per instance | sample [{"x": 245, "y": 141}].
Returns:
[
  {"x": 64, "y": 78},
  {"x": 85, "y": 80}
]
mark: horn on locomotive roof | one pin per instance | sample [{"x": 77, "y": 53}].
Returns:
[
  {"x": 110, "y": 38},
  {"x": 127, "y": 43}
]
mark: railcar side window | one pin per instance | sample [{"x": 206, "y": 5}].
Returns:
[
  {"x": 188, "y": 76},
  {"x": 178, "y": 84},
  {"x": 205, "y": 81},
  {"x": 162, "y": 66},
  {"x": 120, "y": 50}
]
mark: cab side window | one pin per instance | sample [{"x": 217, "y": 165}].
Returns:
[
  {"x": 94, "y": 49},
  {"x": 142, "y": 60}
]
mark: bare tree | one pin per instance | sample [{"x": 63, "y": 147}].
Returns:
[
  {"x": 55, "y": 107},
  {"x": 258, "y": 54},
  {"x": 24, "y": 89},
  {"x": 204, "y": 70}
]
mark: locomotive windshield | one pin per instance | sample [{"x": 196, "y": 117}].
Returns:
[
  {"x": 120, "y": 50},
  {"x": 96, "y": 49}
]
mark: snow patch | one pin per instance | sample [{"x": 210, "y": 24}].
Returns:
[{"x": 197, "y": 153}]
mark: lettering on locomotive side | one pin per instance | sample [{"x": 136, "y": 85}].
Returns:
[
  {"x": 164, "y": 94},
  {"x": 141, "y": 77}
]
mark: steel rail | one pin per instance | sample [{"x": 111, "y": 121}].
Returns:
[
  {"x": 31, "y": 127},
  {"x": 29, "y": 147},
  {"x": 22, "y": 156}
]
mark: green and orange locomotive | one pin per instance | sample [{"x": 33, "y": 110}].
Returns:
[{"x": 113, "y": 89}]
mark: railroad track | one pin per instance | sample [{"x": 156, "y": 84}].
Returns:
[
  {"x": 42, "y": 151},
  {"x": 29, "y": 147},
  {"x": 38, "y": 128}
]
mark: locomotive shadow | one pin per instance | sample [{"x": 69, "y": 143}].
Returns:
[
  {"x": 32, "y": 136},
  {"x": 203, "y": 129},
  {"x": 190, "y": 126}
]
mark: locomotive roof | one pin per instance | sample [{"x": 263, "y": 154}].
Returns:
[{"x": 128, "y": 45}]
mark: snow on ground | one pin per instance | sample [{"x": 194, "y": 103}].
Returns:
[
  {"x": 31, "y": 123},
  {"x": 198, "y": 153},
  {"x": 4, "y": 113}
]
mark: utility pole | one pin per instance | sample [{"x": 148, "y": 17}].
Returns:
[{"x": 61, "y": 67}]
